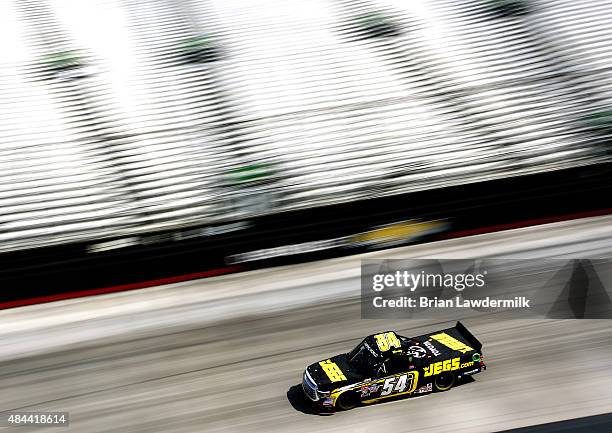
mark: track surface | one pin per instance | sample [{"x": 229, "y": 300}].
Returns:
[
  {"x": 589, "y": 424},
  {"x": 225, "y": 354}
]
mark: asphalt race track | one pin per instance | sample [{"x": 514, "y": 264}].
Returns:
[
  {"x": 226, "y": 354},
  {"x": 590, "y": 424}
]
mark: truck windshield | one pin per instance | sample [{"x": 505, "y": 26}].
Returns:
[{"x": 364, "y": 359}]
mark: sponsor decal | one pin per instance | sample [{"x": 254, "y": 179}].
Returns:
[
  {"x": 328, "y": 402},
  {"x": 417, "y": 351},
  {"x": 372, "y": 351},
  {"x": 387, "y": 340},
  {"x": 211, "y": 231},
  {"x": 285, "y": 250},
  {"x": 424, "y": 389},
  {"x": 332, "y": 371},
  {"x": 467, "y": 373},
  {"x": 451, "y": 342},
  {"x": 368, "y": 389},
  {"x": 397, "y": 233},
  {"x": 112, "y": 245},
  {"x": 446, "y": 365},
  {"x": 432, "y": 348},
  {"x": 167, "y": 237}
]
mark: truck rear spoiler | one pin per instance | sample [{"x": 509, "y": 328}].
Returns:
[{"x": 468, "y": 336}]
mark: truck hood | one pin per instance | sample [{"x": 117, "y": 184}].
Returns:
[{"x": 333, "y": 373}]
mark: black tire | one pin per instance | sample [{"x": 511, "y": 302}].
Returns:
[
  {"x": 444, "y": 381},
  {"x": 347, "y": 401}
]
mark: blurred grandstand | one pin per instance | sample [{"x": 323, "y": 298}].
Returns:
[{"x": 121, "y": 117}]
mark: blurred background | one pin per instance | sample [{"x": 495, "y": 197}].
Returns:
[
  {"x": 151, "y": 142},
  {"x": 125, "y": 117}
]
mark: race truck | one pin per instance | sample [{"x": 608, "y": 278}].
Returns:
[{"x": 388, "y": 365}]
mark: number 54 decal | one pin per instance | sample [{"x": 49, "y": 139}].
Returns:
[{"x": 403, "y": 384}]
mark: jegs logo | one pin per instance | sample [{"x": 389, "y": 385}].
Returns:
[
  {"x": 446, "y": 365},
  {"x": 332, "y": 371},
  {"x": 432, "y": 348}
]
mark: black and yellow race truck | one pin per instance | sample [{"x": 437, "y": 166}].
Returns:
[{"x": 388, "y": 365}]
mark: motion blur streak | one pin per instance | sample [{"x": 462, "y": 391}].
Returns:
[{"x": 223, "y": 355}]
